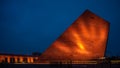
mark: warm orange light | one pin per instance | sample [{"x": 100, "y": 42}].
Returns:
[
  {"x": 81, "y": 46},
  {"x": 85, "y": 39}
]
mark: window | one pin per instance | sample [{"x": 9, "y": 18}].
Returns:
[
  {"x": 6, "y": 60},
  {"x": 18, "y": 60},
  {"x": 25, "y": 60},
  {"x": 34, "y": 60},
  {"x": 12, "y": 60}
]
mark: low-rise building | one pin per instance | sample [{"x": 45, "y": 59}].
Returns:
[{"x": 17, "y": 58}]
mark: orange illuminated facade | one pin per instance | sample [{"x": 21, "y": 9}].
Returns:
[
  {"x": 84, "y": 40},
  {"x": 13, "y": 58}
]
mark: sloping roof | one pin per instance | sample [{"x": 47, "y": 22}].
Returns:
[{"x": 85, "y": 39}]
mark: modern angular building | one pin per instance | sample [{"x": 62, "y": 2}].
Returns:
[{"x": 85, "y": 39}]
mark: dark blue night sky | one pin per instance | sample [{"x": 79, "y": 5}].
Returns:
[{"x": 28, "y": 26}]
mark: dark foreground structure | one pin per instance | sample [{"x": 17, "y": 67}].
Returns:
[{"x": 108, "y": 65}]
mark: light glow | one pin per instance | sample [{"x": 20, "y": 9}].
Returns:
[{"x": 85, "y": 39}]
